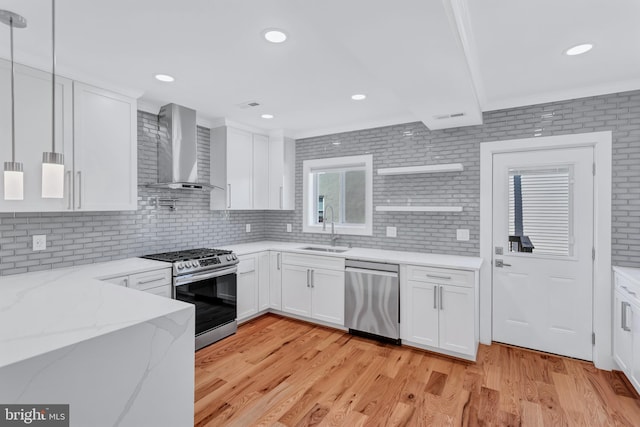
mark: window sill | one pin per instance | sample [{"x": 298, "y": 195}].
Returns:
[{"x": 339, "y": 230}]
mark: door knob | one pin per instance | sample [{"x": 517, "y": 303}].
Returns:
[{"x": 500, "y": 263}]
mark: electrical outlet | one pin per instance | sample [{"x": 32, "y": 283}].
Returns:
[
  {"x": 462, "y": 234},
  {"x": 289, "y": 229},
  {"x": 392, "y": 232},
  {"x": 248, "y": 228},
  {"x": 39, "y": 242}
]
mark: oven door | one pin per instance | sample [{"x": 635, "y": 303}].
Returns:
[{"x": 214, "y": 294}]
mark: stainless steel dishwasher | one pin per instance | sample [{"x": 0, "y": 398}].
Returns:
[{"x": 372, "y": 299}]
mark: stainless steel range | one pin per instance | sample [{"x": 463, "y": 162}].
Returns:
[{"x": 206, "y": 278}]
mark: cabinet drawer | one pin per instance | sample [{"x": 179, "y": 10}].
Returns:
[
  {"x": 151, "y": 279},
  {"x": 247, "y": 264},
  {"x": 120, "y": 280},
  {"x": 163, "y": 291},
  {"x": 628, "y": 288},
  {"x": 313, "y": 261},
  {"x": 443, "y": 276}
]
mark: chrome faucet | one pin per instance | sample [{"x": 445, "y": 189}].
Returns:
[{"x": 334, "y": 236}]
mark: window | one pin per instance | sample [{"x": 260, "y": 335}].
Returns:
[
  {"x": 540, "y": 211},
  {"x": 339, "y": 191}
]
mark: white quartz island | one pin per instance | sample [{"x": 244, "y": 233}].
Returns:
[{"x": 118, "y": 356}]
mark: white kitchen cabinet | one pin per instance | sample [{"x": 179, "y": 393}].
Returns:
[
  {"x": 264, "y": 274},
  {"x": 239, "y": 169},
  {"x": 282, "y": 159},
  {"x": 439, "y": 310},
  {"x": 33, "y": 133},
  {"x": 247, "y": 289},
  {"x": 626, "y": 323},
  {"x": 260, "y": 172},
  {"x": 313, "y": 287},
  {"x": 105, "y": 150},
  {"x": 275, "y": 280},
  {"x": 157, "y": 282}
]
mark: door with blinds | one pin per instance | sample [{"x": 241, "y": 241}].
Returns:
[{"x": 543, "y": 242}]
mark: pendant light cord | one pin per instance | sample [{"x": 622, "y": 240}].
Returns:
[
  {"x": 53, "y": 76},
  {"x": 13, "y": 111}
]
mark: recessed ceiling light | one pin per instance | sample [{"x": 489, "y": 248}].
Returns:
[
  {"x": 164, "y": 78},
  {"x": 358, "y": 96},
  {"x": 267, "y": 116},
  {"x": 579, "y": 49},
  {"x": 274, "y": 35}
]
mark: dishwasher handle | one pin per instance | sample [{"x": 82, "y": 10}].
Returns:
[{"x": 373, "y": 272}]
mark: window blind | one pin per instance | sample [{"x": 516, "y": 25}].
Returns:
[{"x": 546, "y": 207}]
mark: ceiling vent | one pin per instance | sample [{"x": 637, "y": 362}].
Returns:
[
  {"x": 248, "y": 104},
  {"x": 448, "y": 116}
]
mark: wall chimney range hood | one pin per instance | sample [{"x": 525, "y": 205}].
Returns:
[{"x": 178, "y": 150}]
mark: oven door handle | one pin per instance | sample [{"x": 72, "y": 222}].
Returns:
[{"x": 191, "y": 278}]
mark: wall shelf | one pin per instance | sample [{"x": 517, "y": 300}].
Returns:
[
  {"x": 445, "y": 167},
  {"x": 418, "y": 208}
]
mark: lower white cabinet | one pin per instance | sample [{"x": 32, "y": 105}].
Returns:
[
  {"x": 275, "y": 280},
  {"x": 247, "y": 297},
  {"x": 157, "y": 282},
  {"x": 439, "y": 310},
  {"x": 253, "y": 291},
  {"x": 313, "y": 287},
  {"x": 626, "y": 323}
]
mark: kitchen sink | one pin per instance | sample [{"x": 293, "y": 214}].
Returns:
[{"x": 318, "y": 249}]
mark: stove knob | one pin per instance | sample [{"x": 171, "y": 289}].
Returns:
[
  {"x": 228, "y": 257},
  {"x": 196, "y": 263},
  {"x": 180, "y": 266},
  {"x": 234, "y": 256},
  {"x": 188, "y": 264}
]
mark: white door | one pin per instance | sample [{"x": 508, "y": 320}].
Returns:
[
  {"x": 327, "y": 289},
  {"x": 260, "y": 172},
  {"x": 457, "y": 319},
  {"x": 543, "y": 299},
  {"x": 105, "y": 150},
  {"x": 622, "y": 332},
  {"x": 296, "y": 290},
  {"x": 275, "y": 280},
  {"x": 239, "y": 169},
  {"x": 420, "y": 317},
  {"x": 263, "y": 280}
]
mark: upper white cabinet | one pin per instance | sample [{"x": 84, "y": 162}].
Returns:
[
  {"x": 105, "y": 150},
  {"x": 33, "y": 133},
  {"x": 282, "y": 159},
  {"x": 251, "y": 171},
  {"x": 96, "y": 130}
]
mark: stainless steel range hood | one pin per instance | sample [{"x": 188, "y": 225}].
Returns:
[{"x": 178, "y": 150}]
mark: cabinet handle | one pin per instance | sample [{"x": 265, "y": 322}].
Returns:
[
  {"x": 312, "y": 271},
  {"x": 435, "y": 297},
  {"x": 156, "y": 279},
  {"x": 79, "y": 189},
  {"x": 229, "y": 197},
  {"x": 279, "y": 261},
  {"x": 441, "y": 306},
  {"x": 281, "y": 198},
  {"x": 623, "y": 321},
  {"x": 69, "y": 189},
  {"x": 435, "y": 276},
  {"x": 308, "y": 271},
  {"x": 126, "y": 282}
]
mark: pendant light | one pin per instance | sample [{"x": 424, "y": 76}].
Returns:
[
  {"x": 13, "y": 175},
  {"x": 52, "y": 162}
]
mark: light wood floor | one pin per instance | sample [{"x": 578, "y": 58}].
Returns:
[{"x": 278, "y": 371}]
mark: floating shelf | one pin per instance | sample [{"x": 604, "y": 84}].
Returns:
[
  {"x": 418, "y": 208},
  {"x": 446, "y": 167}
]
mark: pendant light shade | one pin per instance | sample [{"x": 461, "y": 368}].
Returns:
[
  {"x": 13, "y": 175},
  {"x": 52, "y": 162},
  {"x": 52, "y": 175},
  {"x": 13, "y": 181}
]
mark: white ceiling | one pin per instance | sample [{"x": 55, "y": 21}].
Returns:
[{"x": 415, "y": 59}]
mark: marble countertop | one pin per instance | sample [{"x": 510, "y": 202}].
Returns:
[
  {"x": 47, "y": 310},
  {"x": 396, "y": 257}
]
